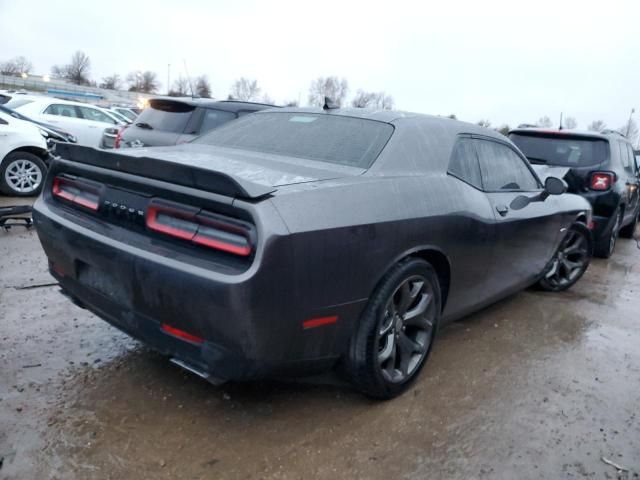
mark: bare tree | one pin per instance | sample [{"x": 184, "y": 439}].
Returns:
[
  {"x": 544, "y": 122},
  {"x": 376, "y": 100},
  {"x": 16, "y": 66},
  {"x": 630, "y": 130},
  {"x": 75, "y": 72},
  {"x": 570, "y": 123},
  {"x": 484, "y": 123},
  {"x": 203, "y": 87},
  {"x": 597, "y": 126},
  {"x": 452, "y": 116},
  {"x": 112, "y": 82},
  {"x": 181, "y": 88},
  {"x": 144, "y": 82},
  {"x": 245, "y": 89},
  {"x": 267, "y": 99},
  {"x": 291, "y": 103},
  {"x": 504, "y": 129},
  {"x": 332, "y": 87}
]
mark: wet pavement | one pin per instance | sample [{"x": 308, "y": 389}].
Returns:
[{"x": 537, "y": 386}]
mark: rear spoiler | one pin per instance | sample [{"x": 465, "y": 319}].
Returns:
[{"x": 195, "y": 177}]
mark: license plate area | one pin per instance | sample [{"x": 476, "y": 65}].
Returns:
[{"x": 104, "y": 282}]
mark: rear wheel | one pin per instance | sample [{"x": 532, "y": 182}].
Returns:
[
  {"x": 604, "y": 248},
  {"x": 570, "y": 261},
  {"x": 22, "y": 174},
  {"x": 396, "y": 330},
  {"x": 629, "y": 230}
]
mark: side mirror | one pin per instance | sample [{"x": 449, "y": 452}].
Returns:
[{"x": 555, "y": 186}]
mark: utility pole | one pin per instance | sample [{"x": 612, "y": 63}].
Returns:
[
  {"x": 168, "y": 78},
  {"x": 629, "y": 123}
]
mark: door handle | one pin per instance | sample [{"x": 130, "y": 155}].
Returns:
[{"x": 502, "y": 209}]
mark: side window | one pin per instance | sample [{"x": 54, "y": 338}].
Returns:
[
  {"x": 502, "y": 168},
  {"x": 242, "y": 113},
  {"x": 62, "y": 110},
  {"x": 215, "y": 118},
  {"x": 464, "y": 163},
  {"x": 631, "y": 158},
  {"x": 89, "y": 113}
]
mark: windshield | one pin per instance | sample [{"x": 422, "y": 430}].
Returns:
[
  {"x": 328, "y": 138},
  {"x": 126, "y": 113},
  {"x": 562, "y": 151},
  {"x": 17, "y": 102}
]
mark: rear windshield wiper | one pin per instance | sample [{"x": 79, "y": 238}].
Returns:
[
  {"x": 144, "y": 125},
  {"x": 537, "y": 161}
]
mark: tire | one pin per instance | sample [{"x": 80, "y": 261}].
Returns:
[
  {"x": 570, "y": 261},
  {"x": 605, "y": 247},
  {"x": 629, "y": 230},
  {"x": 391, "y": 334},
  {"x": 22, "y": 174}
]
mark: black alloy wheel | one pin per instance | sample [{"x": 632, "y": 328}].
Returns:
[
  {"x": 396, "y": 330},
  {"x": 629, "y": 230},
  {"x": 570, "y": 261},
  {"x": 607, "y": 245}
]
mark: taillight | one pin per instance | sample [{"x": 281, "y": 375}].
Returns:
[
  {"x": 116, "y": 142},
  {"x": 77, "y": 192},
  {"x": 602, "y": 180},
  {"x": 201, "y": 227}
]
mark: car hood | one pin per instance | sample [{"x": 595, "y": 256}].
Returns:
[{"x": 255, "y": 167}]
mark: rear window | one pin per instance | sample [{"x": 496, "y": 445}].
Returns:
[
  {"x": 166, "y": 116},
  {"x": 328, "y": 138},
  {"x": 562, "y": 151}
]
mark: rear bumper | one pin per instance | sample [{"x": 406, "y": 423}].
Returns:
[{"x": 251, "y": 323}]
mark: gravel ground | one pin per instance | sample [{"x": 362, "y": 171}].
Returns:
[{"x": 537, "y": 386}]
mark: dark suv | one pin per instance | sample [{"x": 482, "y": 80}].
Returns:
[
  {"x": 171, "y": 121},
  {"x": 602, "y": 169}
]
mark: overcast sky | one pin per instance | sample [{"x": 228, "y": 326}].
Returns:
[{"x": 502, "y": 61}]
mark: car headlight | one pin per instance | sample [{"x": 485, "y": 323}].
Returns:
[
  {"x": 72, "y": 139},
  {"x": 44, "y": 133}
]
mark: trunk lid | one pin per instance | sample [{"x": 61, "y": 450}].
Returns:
[{"x": 229, "y": 172}]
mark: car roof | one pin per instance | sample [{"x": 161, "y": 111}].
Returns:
[
  {"x": 397, "y": 117},
  {"x": 604, "y": 135},
  {"x": 227, "y": 105}
]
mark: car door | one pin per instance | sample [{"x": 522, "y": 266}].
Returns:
[
  {"x": 96, "y": 122},
  {"x": 474, "y": 221},
  {"x": 526, "y": 238},
  {"x": 67, "y": 117}
]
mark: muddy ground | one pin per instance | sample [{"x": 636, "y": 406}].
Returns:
[{"x": 538, "y": 386}]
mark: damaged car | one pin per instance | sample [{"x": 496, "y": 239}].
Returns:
[{"x": 297, "y": 241}]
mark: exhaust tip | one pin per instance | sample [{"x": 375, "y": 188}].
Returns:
[{"x": 197, "y": 371}]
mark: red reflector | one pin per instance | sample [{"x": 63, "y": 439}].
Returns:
[
  {"x": 57, "y": 269},
  {"x": 76, "y": 192},
  {"x": 602, "y": 180},
  {"x": 181, "y": 334},
  {"x": 319, "y": 322},
  {"x": 591, "y": 225}
]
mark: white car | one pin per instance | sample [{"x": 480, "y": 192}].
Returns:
[
  {"x": 23, "y": 155},
  {"x": 85, "y": 122}
]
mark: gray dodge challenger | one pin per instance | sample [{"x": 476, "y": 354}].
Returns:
[{"x": 296, "y": 241}]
